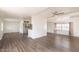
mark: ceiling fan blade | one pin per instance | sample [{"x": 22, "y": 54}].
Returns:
[{"x": 59, "y": 13}]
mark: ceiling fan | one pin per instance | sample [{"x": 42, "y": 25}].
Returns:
[
  {"x": 57, "y": 13},
  {"x": 54, "y": 13}
]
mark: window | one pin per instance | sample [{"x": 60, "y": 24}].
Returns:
[
  {"x": 58, "y": 26},
  {"x": 62, "y": 27}
]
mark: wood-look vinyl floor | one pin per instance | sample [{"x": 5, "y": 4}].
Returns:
[{"x": 15, "y": 42}]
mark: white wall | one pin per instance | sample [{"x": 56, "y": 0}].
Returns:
[
  {"x": 1, "y": 29},
  {"x": 21, "y": 26},
  {"x": 11, "y": 25},
  {"x": 39, "y": 26},
  {"x": 76, "y": 29},
  {"x": 50, "y": 27}
]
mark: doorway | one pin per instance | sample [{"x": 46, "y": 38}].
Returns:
[{"x": 25, "y": 28}]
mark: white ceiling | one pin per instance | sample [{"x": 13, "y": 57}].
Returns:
[
  {"x": 22, "y": 11},
  {"x": 64, "y": 9},
  {"x": 29, "y": 11}
]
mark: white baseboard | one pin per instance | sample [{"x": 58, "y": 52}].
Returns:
[{"x": 38, "y": 36}]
